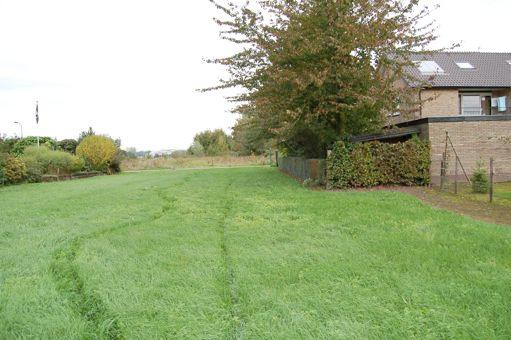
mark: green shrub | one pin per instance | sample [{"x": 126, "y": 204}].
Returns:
[
  {"x": 339, "y": 166},
  {"x": 375, "y": 163},
  {"x": 480, "y": 181},
  {"x": 68, "y": 145},
  {"x": 3, "y": 159},
  {"x": 366, "y": 172},
  {"x": 7, "y": 144},
  {"x": 115, "y": 165},
  {"x": 3, "y": 179},
  {"x": 99, "y": 153},
  {"x": 20, "y": 146},
  {"x": 15, "y": 170},
  {"x": 41, "y": 161}
]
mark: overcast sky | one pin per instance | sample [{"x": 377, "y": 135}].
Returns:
[{"x": 130, "y": 68}]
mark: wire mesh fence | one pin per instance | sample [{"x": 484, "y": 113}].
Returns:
[{"x": 470, "y": 170}]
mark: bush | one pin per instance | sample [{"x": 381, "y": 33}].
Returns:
[
  {"x": 7, "y": 144},
  {"x": 196, "y": 149},
  {"x": 14, "y": 170},
  {"x": 3, "y": 159},
  {"x": 99, "y": 152},
  {"x": 375, "y": 163},
  {"x": 3, "y": 180},
  {"x": 212, "y": 143},
  {"x": 22, "y": 144},
  {"x": 115, "y": 165},
  {"x": 480, "y": 181},
  {"x": 68, "y": 145},
  {"x": 41, "y": 161}
]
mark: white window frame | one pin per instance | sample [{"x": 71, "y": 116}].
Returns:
[
  {"x": 465, "y": 65},
  {"x": 471, "y": 110},
  {"x": 429, "y": 67}
]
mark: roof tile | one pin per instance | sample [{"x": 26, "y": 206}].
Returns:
[{"x": 490, "y": 69}]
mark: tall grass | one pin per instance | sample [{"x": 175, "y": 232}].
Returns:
[{"x": 191, "y": 162}]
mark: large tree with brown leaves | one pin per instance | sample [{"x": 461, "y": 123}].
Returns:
[{"x": 315, "y": 71}]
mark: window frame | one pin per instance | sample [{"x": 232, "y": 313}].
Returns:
[
  {"x": 429, "y": 67},
  {"x": 465, "y": 65}
]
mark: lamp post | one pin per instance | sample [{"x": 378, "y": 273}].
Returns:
[{"x": 21, "y": 128}]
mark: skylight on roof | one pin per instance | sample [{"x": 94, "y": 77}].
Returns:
[
  {"x": 429, "y": 67},
  {"x": 466, "y": 66}
]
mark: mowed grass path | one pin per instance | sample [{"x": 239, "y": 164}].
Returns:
[{"x": 243, "y": 253}]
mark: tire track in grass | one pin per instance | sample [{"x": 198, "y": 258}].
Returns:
[
  {"x": 231, "y": 296},
  {"x": 86, "y": 303}
]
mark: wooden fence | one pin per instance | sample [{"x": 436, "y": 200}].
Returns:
[{"x": 303, "y": 169}]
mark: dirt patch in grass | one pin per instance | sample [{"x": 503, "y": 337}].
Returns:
[{"x": 464, "y": 203}]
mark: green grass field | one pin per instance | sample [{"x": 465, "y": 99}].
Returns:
[{"x": 243, "y": 253}]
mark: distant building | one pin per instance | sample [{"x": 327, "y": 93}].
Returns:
[{"x": 162, "y": 153}]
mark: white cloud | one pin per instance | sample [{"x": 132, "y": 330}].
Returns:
[
  {"x": 130, "y": 68},
  {"x": 478, "y": 25},
  {"x": 127, "y": 68}
]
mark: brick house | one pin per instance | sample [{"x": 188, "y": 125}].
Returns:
[{"x": 467, "y": 96}]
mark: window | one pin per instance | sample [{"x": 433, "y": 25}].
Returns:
[
  {"x": 429, "y": 67},
  {"x": 509, "y": 62},
  {"x": 465, "y": 66},
  {"x": 501, "y": 104},
  {"x": 471, "y": 105}
]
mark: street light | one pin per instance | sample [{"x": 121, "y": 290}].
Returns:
[{"x": 21, "y": 128}]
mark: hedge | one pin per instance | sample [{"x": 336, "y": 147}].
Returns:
[
  {"x": 374, "y": 163},
  {"x": 42, "y": 161}
]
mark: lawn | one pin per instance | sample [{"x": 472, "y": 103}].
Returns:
[
  {"x": 501, "y": 195},
  {"x": 243, "y": 253},
  {"x": 503, "y": 192}
]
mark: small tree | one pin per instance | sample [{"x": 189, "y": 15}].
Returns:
[
  {"x": 196, "y": 149},
  {"x": 99, "y": 152},
  {"x": 85, "y": 134},
  {"x": 213, "y": 143},
  {"x": 480, "y": 181},
  {"x": 249, "y": 138},
  {"x": 68, "y": 145}
]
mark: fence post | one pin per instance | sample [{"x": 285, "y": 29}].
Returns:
[
  {"x": 442, "y": 173},
  {"x": 277, "y": 158},
  {"x": 491, "y": 180},
  {"x": 456, "y": 177},
  {"x": 270, "y": 158},
  {"x": 443, "y": 170}
]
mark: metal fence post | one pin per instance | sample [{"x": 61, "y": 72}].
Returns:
[
  {"x": 491, "y": 180},
  {"x": 456, "y": 177}
]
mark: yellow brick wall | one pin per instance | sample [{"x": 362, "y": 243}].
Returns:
[
  {"x": 435, "y": 103},
  {"x": 474, "y": 142},
  {"x": 440, "y": 103}
]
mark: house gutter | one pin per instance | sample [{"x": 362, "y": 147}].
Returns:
[{"x": 455, "y": 119}]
